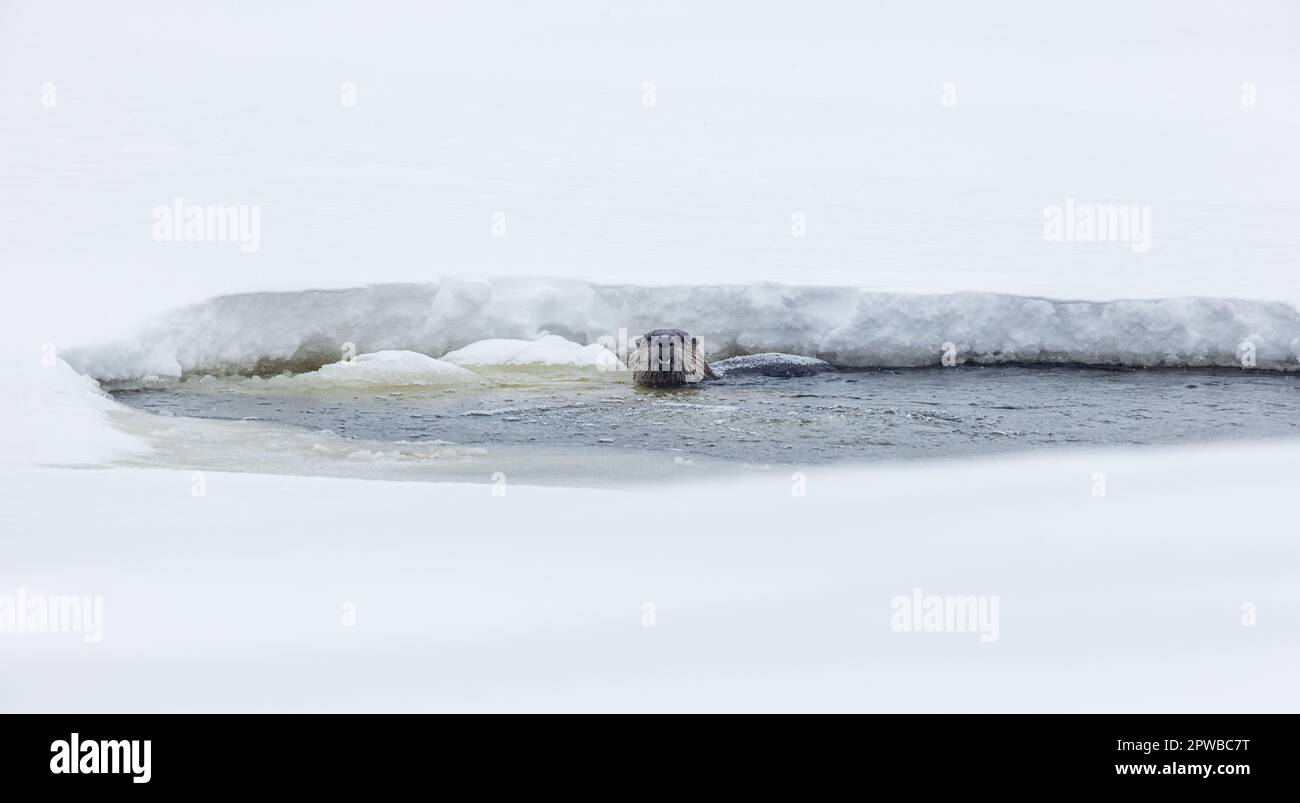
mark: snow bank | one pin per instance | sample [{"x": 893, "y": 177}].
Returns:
[
  {"x": 546, "y": 350},
  {"x": 53, "y": 415},
  {"x": 382, "y": 368},
  {"x": 843, "y": 325}
]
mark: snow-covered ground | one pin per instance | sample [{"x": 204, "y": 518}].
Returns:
[
  {"x": 894, "y": 169},
  {"x": 880, "y": 146}
]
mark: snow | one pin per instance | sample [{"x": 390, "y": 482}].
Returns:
[
  {"x": 535, "y": 118},
  {"x": 546, "y": 350},
  {"x": 54, "y": 416},
  {"x": 382, "y": 368},
  {"x": 843, "y": 325}
]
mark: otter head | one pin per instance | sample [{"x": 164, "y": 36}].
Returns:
[{"x": 668, "y": 358}]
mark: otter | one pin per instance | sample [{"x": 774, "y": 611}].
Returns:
[
  {"x": 668, "y": 358},
  {"x": 673, "y": 358}
]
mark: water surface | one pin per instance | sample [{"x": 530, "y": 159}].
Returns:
[{"x": 845, "y": 416}]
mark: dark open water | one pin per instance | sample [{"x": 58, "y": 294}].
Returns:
[{"x": 859, "y": 416}]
